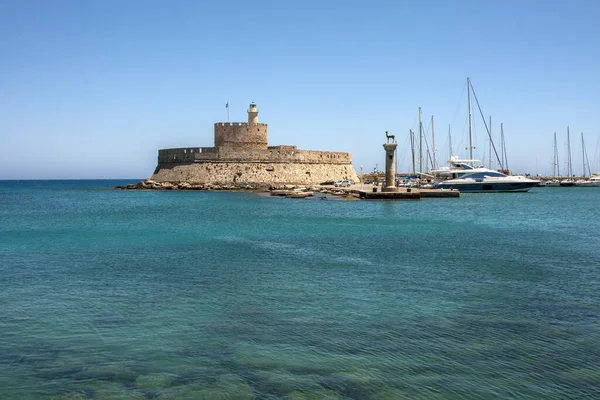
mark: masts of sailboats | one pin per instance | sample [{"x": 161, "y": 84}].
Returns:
[
  {"x": 569, "y": 181},
  {"x": 504, "y": 161},
  {"x": 555, "y": 164},
  {"x": 500, "y": 162},
  {"x": 470, "y": 119},
  {"x": 584, "y": 157}
]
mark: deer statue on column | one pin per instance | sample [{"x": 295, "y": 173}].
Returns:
[{"x": 388, "y": 136}]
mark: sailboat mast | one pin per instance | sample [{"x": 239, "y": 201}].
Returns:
[
  {"x": 420, "y": 142},
  {"x": 555, "y": 165},
  {"x": 450, "y": 142},
  {"x": 435, "y": 164},
  {"x": 470, "y": 119},
  {"x": 412, "y": 146},
  {"x": 502, "y": 144},
  {"x": 582, "y": 156},
  {"x": 569, "y": 166},
  {"x": 490, "y": 146},
  {"x": 587, "y": 160}
]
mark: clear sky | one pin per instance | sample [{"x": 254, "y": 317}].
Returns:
[{"x": 92, "y": 89}]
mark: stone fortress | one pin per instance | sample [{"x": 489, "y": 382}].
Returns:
[{"x": 241, "y": 156}]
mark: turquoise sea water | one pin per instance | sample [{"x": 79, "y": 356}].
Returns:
[{"x": 109, "y": 294}]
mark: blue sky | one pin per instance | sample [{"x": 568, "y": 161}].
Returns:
[{"x": 92, "y": 89}]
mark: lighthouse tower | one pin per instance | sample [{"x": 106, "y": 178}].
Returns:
[{"x": 253, "y": 114}]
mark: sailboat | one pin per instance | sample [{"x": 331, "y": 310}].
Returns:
[
  {"x": 468, "y": 176},
  {"x": 554, "y": 182},
  {"x": 594, "y": 180},
  {"x": 569, "y": 181}
]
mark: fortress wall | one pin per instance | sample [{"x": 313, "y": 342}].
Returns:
[
  {"x": 253, "y": 172},
  {"x": 241, "y": 135},
  {"x": 316, "y": 156},
  {"x": 292, "y": 152},
  {"x": 187, "y": 154},
  {"x": 275, "y": 154},
  {"x": 283, "y": 148}
]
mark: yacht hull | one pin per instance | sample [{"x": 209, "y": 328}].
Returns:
[
  {"x": 467, "y": 178},
  {"x": 588, "y": 184},
  {"x": 567, "y": 184},
  {"x": 485, "y": 187}
]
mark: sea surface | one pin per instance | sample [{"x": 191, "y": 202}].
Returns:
[{"x": 108, "y": 294}]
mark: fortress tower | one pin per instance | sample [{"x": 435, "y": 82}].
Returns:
[
  {"x": 238, "y": 136},
  {"x": 253, "y": 114}
]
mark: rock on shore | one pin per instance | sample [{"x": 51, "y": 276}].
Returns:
[
  {"x": 281, "y": 190},
  {"x": 149, "y": 184}
]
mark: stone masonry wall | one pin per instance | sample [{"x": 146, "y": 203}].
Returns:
[
  {"x": 272, "y": 154},
  {"x": 188, "y": 154},
  {"x": 253, "y": 172}
]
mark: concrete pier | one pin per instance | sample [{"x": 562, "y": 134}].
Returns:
[
  {"x": 395, "y": 195},
  {"x": 425, "y": 193},
  {"x": 407, "y": 194}
]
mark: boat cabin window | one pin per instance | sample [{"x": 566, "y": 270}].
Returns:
[
  {"x": 487, "y": 174},
  {"x": 464, "y": 166}
]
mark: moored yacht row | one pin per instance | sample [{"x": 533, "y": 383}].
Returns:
[
  {"x": 592, "y": 181},
  {"x": 469, "y": 175}
]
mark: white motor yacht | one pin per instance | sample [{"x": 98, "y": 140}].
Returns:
[{"x": 464, "y": 176}]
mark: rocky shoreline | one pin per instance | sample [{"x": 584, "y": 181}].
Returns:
[{"x": 282, "y": 190}]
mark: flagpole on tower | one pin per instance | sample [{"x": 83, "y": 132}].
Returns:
[{"x": 227, "y": 107}]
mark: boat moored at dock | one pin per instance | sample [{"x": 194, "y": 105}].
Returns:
[
  {"x": 464, "y": 176},
  {"x": 593, "y": 181}
]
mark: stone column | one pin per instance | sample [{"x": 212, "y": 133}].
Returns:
[{"x": 390, "y": 170}]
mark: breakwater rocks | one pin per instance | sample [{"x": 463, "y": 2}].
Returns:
[
  {"x": 149, "y": 184},
  {"x": 282, "y": 190}
]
